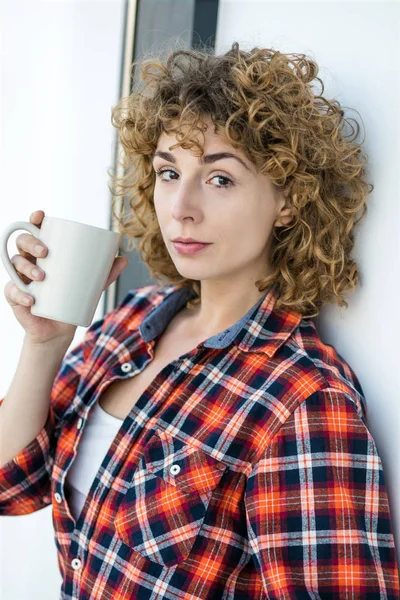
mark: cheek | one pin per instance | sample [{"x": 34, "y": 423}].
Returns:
[
  {"x": 243, "y": 222},
  {"x": 159, "y": 208},
  {"x": 251, "y": 228}
]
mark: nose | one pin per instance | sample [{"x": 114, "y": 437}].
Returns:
[{"x": 186, "y": 202}]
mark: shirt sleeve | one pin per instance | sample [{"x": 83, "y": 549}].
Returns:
[
  {"x": 317, "y": 508},
  {"x": 25, "y": 479}
]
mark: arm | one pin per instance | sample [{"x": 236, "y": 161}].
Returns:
[
  {"x": 317, "y": 509},
  {"x": 21, "y": 421},
  {"x": 43, "y": 387}
]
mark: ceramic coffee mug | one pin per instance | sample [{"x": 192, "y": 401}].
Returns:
[{"x": 77, "y": 264}]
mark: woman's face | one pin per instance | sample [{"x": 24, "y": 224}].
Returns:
[{"x": 222, "y": 202}]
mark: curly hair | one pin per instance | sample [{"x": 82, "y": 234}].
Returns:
[{"x": 263, "y": 102}]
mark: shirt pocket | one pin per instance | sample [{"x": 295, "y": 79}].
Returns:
[{"x": 164, "y": 508}]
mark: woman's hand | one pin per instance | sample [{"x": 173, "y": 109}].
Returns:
[{"x": 39, "y": 329}]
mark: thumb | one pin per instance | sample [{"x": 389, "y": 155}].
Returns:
[{"x": 119, "y": 265}]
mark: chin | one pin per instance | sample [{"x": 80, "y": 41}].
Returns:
[{"x": 192, "y": 273}]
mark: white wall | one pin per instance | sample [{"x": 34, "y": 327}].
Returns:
[
  {"x": 356, "y": 44},
  {"x": 60, "y": 75},
  {"x": 60, "y": 67}
]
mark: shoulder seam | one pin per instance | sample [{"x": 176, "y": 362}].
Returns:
[{"x": 326, "y": 381}]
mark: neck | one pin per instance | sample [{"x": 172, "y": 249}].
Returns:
[{"x": 221, "y": 308}]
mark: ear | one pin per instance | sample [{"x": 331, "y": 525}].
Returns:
[{"x": 285, "y": 211}]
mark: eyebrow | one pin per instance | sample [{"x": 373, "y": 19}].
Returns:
[{"x": 204, "y": 160}]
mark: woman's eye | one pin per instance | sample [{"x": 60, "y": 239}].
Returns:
[
  {"x": 228, "y": 181},
  {"x": 225, "y": 178},
  {"x": 161, "y": 171}
]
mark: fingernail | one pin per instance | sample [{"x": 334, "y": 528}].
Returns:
[{"x": 38, "y": 248}]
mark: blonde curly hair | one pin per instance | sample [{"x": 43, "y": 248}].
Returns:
[{"x": 263, "y": 102}]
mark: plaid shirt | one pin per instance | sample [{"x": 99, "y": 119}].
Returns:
[{"x": 245, "y": 470}]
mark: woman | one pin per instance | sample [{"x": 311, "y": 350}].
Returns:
[{"x": 202, "y": 441}]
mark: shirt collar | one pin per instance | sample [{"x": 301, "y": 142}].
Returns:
[{"x": 262, "y": 329}]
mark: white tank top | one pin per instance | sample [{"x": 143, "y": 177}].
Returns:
[{"x": 97, "y": 436}]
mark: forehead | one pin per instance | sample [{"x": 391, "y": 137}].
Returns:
[
  {"x": 210, "y": 139},
  {"x": 207, "y": 136}
]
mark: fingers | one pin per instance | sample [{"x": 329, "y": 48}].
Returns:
[
  {"x": 37, "y": 217},
  {"x": 31, "y": 245},
  {"x": 26, "y": 242},
  {"x": 25, "y": 267},
  {"x": 15, "y": 297},
  {"x": 29, "y": 248}
]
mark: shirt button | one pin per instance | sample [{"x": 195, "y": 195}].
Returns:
[
  {"x": 79, "y": 424},
  {"x": 46, "y": 499},
  {"x": 174, "y": 470},
  {"x": 57, "y": 497},
  {"x": 126, "y": 367},
  {"x": 76, "y": 563}
]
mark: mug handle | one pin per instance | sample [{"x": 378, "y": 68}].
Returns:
[{"x": 5, "y": 234}]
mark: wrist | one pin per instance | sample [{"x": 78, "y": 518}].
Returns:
[{"x": 61, "y": 343}]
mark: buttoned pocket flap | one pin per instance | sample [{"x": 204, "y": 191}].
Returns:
[
  {"x": 181, "y": 465},
  {"x": 163, "y": 510}
]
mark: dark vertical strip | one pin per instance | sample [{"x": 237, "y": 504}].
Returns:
[
  {"x": 205, "y": 23},
  {"x": 157, "y": 22}
]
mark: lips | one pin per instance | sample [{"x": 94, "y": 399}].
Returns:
[
  {"x": 192, "y": 243},
  {"x": 192, "y": 248},
  {"x": 189, "y": 241}
]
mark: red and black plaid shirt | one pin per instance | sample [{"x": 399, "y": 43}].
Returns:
[{"x": 246, "y": 469}]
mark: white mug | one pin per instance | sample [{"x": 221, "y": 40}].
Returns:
[{"x": 77, "y": 264}]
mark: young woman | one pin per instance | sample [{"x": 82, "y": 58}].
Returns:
[{"x": 202, "y": 442}]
